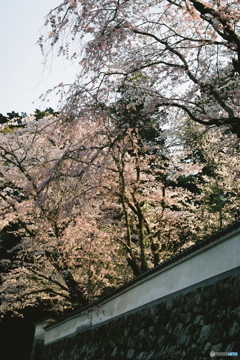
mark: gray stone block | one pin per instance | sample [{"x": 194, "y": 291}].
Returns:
[{"x": 130, "y": 353}]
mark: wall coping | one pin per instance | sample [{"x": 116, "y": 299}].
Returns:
[{"x": 41, "y": 325}]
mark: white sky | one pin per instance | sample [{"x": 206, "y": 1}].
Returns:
[{"x": 22, "y": 75}]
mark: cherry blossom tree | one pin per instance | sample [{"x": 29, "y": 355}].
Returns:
[
  {"x": 99, "y": 199},
  {"x": 218, "y": 181},
  {"x": 155, "y": 212},
  {"x": 93, "y": 204},
  {"x": 47, "y": 189},
  {"x": 147, "y": 212},
  {"x": 142, "y": 160},
  {"x": 190, "y": 51}
]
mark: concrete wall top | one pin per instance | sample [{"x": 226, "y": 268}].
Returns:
[
  {"x": 215, "y": 255},
  {"x": 40, "y": 326}
]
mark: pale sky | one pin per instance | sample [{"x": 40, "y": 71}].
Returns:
[{"x": 23, "y": 77}]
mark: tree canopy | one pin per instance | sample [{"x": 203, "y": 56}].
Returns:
[
  {"x": 86, "y": 205},
  {"x": 141, "y": 160},
  {"x": 188, "y": 52}
]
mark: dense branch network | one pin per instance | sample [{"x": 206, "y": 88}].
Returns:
[{"x": 185, "y": 48}]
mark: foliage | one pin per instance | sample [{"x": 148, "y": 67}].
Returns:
[
  {"x": 7, "y": 130},
  {"x": 3, "y": 119},
  {"x": 38, "y": 114},
  {"x": 218, "y": 182}
]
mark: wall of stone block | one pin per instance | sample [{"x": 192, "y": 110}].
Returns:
[
  {"x": 184, "y": 309},
  {"x": 185, "y": 325}
]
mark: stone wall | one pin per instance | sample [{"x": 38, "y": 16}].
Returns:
[
  {"x": 182, "y": 326},
  {"x": 183, "y": 309},
  {"x": 38, "y": 348}
]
